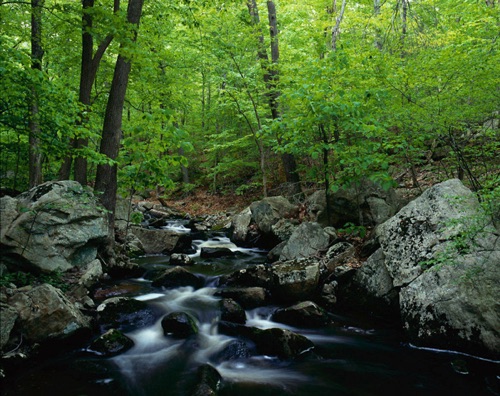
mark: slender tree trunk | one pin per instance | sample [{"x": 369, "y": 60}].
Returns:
[
  {"x": 288, "y": 160},
  {"x": 35, "y": 154},
  {"x": 376, "y": 12},
  {"x": 274, "y": 94},
  {"x": 271, "y": 79},
  {"x": 404, "y": 19},
  {"x": 336, "y": 28},
  {"x": 106, "y": 177}
]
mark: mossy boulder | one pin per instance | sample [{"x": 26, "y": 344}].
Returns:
[{"x": 111, "y": 343}]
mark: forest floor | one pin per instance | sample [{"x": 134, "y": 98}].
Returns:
[{"x": 202, "y": 201}]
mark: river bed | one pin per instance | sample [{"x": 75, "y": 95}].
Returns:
[{"x": 354, "y": 356}]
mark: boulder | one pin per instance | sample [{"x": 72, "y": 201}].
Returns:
[
  {"x": 208, "y": 379},
  {"x": 254, "y": 225},
  {"x": 8, "y": 317},
  {"x": 274, "y": 254},
  {"x": 176, "y": 277},
  {"x": 372, "y": 287},
  {"x": 308, "y": 239},
  {"x": 282, "y": 343},
  {"x": 247, "y": 297},
  {"x": 337, "y": 255},
  {"x": 124, "y": 313},
  {"x": 295, "y": 280},
  {"x": 328, "y": 295},
  {"x": 270, "y": 210},
  {"x": 233, "y": 350},
  {"x": 303, "y": 314},
  {"x": 442, "y": 254},
  {"x": 284, "y": 228},
  {"x": 46, "y": 314},
  {"x": 179, "y": 324},
  {"x": 126, "y": 215},
  {"x": 92, "y": 273},
  {"x": 216, "y": 252},
  {"x": 240, "y": 224},
  {"x": 456, "y": 307},
  {"x": 255, "y": 276},
  {"x": 363, "y": 203},
  {"x": 231, "y": 311},
  {"x": 54, "y": 226},
  {"x": 426, "y": 226},
  {"x": 180, "y": 259},
  {"x": 162, "y": 241},
  {"x": 111, "y": 343}
]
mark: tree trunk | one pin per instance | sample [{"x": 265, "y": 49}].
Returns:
[
  {"x": 288, "y": 160},
  {"x": 404, "y": 19},
  {"x": 89, "y": 65},
  {"x": 35, "y": 155},
  {"x": 336, "y": 29},
  {"x": 106, "y": 177}
]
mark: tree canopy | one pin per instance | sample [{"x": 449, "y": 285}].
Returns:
[{"x": 361, "y": 89}]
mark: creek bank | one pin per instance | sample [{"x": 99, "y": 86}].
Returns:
[
  {"x": 435, "y": 264},
  {"x": 310, "y": 283}
]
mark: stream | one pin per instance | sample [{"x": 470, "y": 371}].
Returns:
[{"x": 355, "y": 356}]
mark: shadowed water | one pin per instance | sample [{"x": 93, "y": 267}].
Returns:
[{"x": 354, "y": 356}]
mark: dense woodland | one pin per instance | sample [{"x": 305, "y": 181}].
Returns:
[{"x": 238, "y": 96}]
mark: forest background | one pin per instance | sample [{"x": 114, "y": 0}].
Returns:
[{"x": 244, "y": 96}]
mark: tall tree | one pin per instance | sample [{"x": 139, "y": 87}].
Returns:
[
  {"x": 289, "y": 163},
  {"x": 336, "y": 28},
  {"x": 271, "y": 80},
  {"x": 35, "y": 154},
  {"x": 89, "y": 65},
  {"x": 106, "y": 176}
]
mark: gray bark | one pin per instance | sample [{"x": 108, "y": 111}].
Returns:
[{"x": 35, "y": 154}]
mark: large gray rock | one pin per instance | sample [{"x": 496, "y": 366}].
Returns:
[
  {"x": 54, "y": 226},
  {"x": 308, "y": 239},
  {"x": 254, "y": 225},
  {"x": 363, "y": 203},
  {"x": 247, "y": 297},
  {"x": 270, "y": 210},
  {"x": 443, "y": 254},
  {"x": 8, "y": 317},
  {"x": 303, "y": 314},
  {"x": 456, "y": 307},
  {"x": 295, "y": 280},
  {"x": 240, "y": 223},
  {"x": 372, "y": 287},
  {"x": 45, "y": 314},
  {"x": 162, "y": 241}
]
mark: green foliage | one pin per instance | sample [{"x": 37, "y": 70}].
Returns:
[
  {"x": 197, "y": 98},
  {"x": 136, "y": 218},
  {"x": 353, "y": 230},
  {"x": 244, "y": 188},
  {"x": 20, "y": 279}
]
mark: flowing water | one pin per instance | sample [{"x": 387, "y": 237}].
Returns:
[{"x": 355, "y": 356}]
